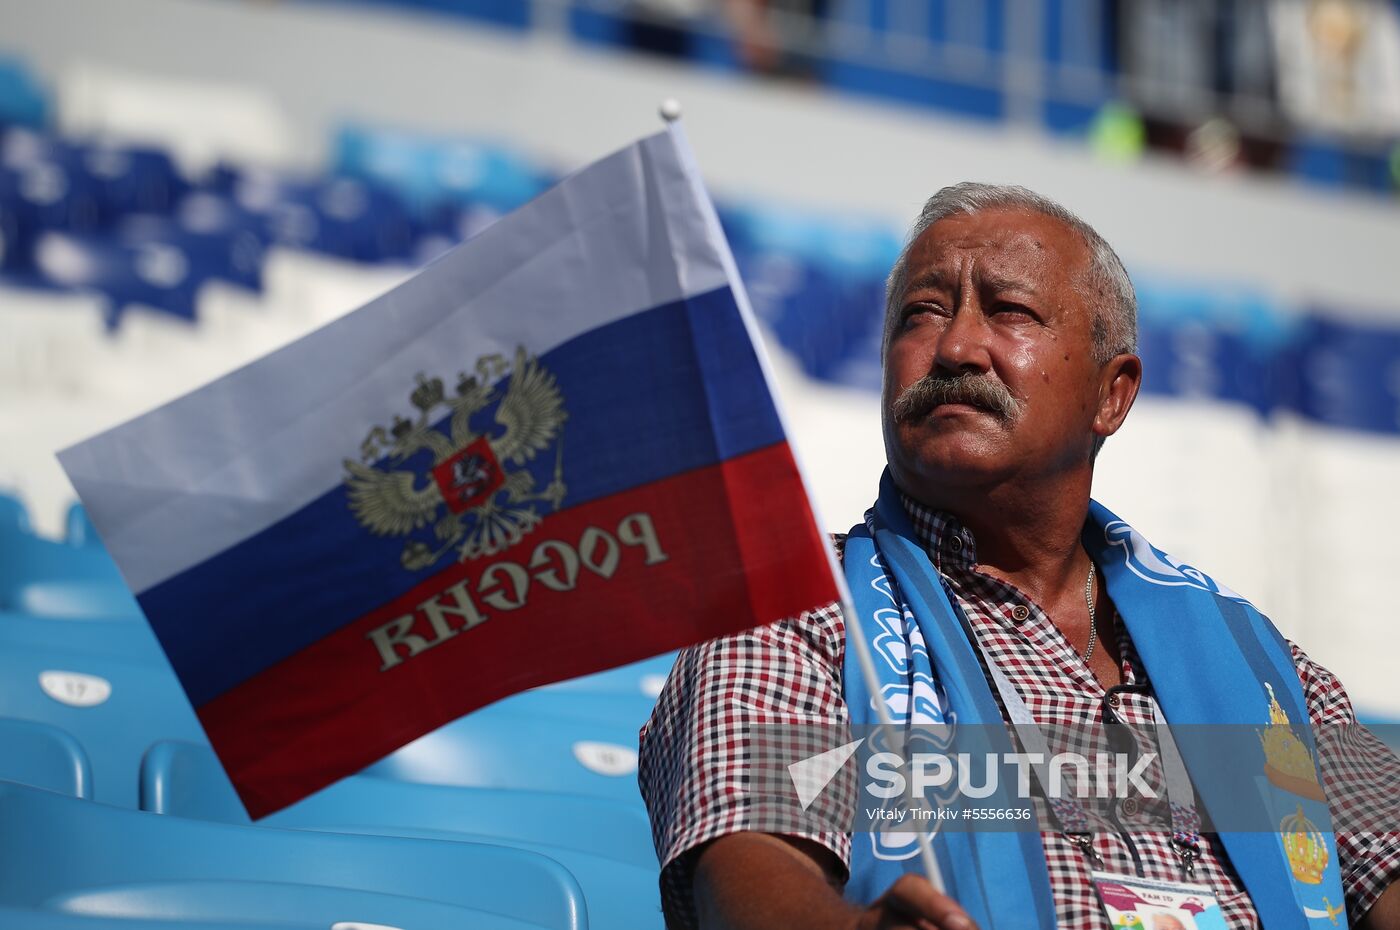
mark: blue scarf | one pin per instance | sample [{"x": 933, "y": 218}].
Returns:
[{"x": 1211, "y": 657}]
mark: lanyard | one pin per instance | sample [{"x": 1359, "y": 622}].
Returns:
[{"x": 1073, "y": 820}]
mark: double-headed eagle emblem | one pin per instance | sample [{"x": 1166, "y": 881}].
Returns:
[{"x": 471, "y": 497}]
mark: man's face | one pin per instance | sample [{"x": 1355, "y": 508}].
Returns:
[{"x": 996, "y": 297}]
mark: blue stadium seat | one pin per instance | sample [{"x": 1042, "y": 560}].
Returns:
[
  {"x": 586, "y": 708},
  {"x": 431, "y": 171},
  {"x": 42, "y": 577},
  {"x": 43, "y": 756},
  {"x": 644, "y": 678},
  {"x": 223, "y": 242},
  {"x": 129, "y": 179},
  {"x": 31, "y": 919},
  {"x": 115, "y": 708},
  {"x": 348, "y": 217},
  {"x": 78, "y": 529},
  {"x": 22, "y": 101},
  {"x": 605, "y": 844},
  {"x": 40, "y": 191},
  {"x": 100, "y": 637},
  {"x": 69, "y": 855},
  {"x": 14, "y": 518},
  {"x": 147, "y": 273},
  {"x": 501, "y": 747},
  {"x": 187, "y": 780}
]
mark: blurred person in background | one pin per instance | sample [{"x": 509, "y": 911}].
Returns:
[{"x": 1009, "y": 357}]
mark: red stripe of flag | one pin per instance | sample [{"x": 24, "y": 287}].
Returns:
[{"x": 721, "y": 549}]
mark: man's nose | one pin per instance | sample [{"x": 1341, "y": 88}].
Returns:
[{"x": 962, "y": 346}]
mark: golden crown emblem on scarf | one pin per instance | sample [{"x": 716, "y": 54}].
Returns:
[
  {"x": 1288, "y": 763},
  {"x": 1305, "y": 846}
]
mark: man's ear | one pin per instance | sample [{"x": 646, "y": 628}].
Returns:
[{"x": 1119, "y": 381}]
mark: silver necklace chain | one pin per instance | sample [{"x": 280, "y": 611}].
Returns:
[{"x": 1089, "y": 599}]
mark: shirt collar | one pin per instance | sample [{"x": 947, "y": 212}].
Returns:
[{"x": 949, "y": 544}]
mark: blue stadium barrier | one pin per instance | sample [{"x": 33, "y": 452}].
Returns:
[
  {"x": 505, "y": 14},
  {"x": 498, "y": 747},
  {"x": 69, "y": 855},
  {"x": 1333, "y": 163},
  {"x": 43, "y": 756},
  {"x": 1223, "y": 344},
  {"x": 1088, "y": 71},
  {"x": 979, "y": 98},
  {"x": 115, "y": 708},
  {"x": 1349, "y": 372},
  {"x": 606, "y": 845},
  {"x": 42, "y": 577}
]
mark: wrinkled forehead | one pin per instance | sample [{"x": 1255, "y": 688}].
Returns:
[{"x": 1026, "y": 245}]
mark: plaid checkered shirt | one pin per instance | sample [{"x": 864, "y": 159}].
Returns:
[{"x": 693, "y": 758}]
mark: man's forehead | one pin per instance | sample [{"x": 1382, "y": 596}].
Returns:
[{"x": 1012, "y": 233}]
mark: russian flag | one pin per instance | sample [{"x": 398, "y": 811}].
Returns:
[{"x": 551, "y": 452}]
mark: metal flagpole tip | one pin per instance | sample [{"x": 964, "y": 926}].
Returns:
[{"x": 670, "y": 109}]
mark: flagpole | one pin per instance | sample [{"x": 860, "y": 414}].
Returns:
[
  {"x": 670, "y": 112},
  {"x": 855, "y": 636}
]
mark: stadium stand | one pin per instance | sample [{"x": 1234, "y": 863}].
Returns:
[
  {"x": 114, "y": 707},
  {"x": 604, "y": 844},
  {"x": 66, "y": 854},
  {"x": 131, "y": 272},
  {"x": 489, "y": 749},
  {"x": 186, "y": 780},
  {"x": 44, "y": 756},
  {"x": 32, "y": 919},
  {"x": 52, "y": 579}
]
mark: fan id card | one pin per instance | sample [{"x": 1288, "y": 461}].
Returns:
[{"x": 1134, "y": 903}]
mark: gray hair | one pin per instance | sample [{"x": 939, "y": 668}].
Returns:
[{"x": 1108, "y": 288}]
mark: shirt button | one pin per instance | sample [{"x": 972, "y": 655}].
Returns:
[
  {"x": 1020, "y": 612},
  {"x": 1114, "y": 701},
  {"x": 955, "y": 543},
  {"x": 1130, "y": 807}
]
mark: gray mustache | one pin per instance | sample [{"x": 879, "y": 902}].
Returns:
[{"x": 967, "y": 388}]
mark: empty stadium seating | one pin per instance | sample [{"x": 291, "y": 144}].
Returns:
[
  {"x": 46, "y": 578},
  {"x": 43, "y": 756},
  {"x": 36, "y": 919},
  {"x": 186, "y": 780},
  {"x": 527, "y": 813},
  {"x": 114, "y": 707},
  {"x": 78, "y": 856},
  {"x": 502, "y": 747},
  {"x": 606, "y": 845}
]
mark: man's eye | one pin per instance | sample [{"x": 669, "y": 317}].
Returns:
[
  {"x": 914, "y": 313},
  {"x": 1014, "y": 309}
]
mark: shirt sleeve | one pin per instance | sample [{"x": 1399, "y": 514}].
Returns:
[
  {"x": 693, "y": 764},
  {"x": 1361, "y": 776}
]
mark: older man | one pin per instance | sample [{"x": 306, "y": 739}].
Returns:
[{"x": 1009, "y": 347}]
